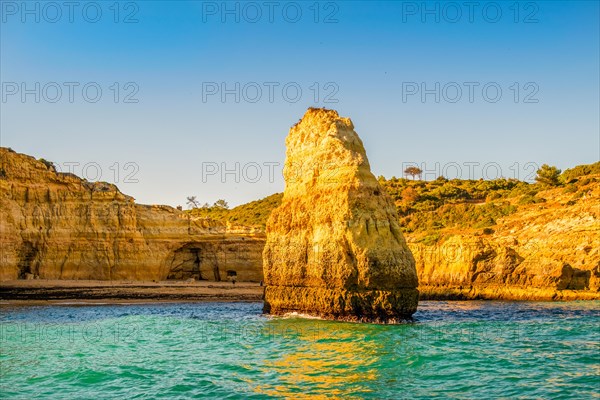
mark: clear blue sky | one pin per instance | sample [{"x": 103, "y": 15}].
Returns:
[{"x": 375, "y": 55}]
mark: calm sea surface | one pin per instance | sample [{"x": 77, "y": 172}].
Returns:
[{"x": 229, "y": 350}]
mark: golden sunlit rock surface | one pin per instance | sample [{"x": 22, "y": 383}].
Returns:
[
  {"x": 546, "y": 251},
  {"x": 58, "y": 226},
  {"x": 334, "y": 247}
]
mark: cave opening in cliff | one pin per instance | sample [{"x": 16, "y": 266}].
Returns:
[
  {"x": 186, "y": 264},
  {"x": 195, "y": 261},
  {"x": 28, "y": 267}
]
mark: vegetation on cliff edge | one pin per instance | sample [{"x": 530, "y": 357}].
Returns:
[{"x": 429, "y": 210}]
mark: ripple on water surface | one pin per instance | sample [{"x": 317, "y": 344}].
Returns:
[{"x": 452, "y": 349}]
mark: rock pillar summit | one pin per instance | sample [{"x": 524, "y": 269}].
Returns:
[{"x": 334, "y": 247}]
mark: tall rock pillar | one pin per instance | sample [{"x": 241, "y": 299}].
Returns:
[{"x": 334, "y": 247}]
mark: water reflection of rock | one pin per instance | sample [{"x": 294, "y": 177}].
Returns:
[{"x": 315, "y": 358}]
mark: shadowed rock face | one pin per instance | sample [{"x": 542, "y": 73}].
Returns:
[{"x": 334, "y": 247}]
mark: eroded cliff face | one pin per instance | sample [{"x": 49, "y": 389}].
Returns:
[
  {"x": 58, "y": 226},
  {"x": 334, "y": 247},
  {"x": 548, "y": 251}
]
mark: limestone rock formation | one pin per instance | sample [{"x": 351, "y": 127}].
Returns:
[
  {"x": 334, "y": 247},
  {"x": 548, "y": 251},
  {"x": 57, "y": 226}
]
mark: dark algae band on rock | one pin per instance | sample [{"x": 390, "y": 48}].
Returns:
[
  {"x": 342, "y": 304},
  {"x": 334, "y": 247}
]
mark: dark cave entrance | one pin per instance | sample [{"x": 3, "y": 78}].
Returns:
[
  {"x": 186, "y": 264},
  {"x": 195, "y": 261},
  {"x": 28, "y": 265}
]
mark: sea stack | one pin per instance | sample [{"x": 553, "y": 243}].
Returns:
[{"x": 334, "y": 247}]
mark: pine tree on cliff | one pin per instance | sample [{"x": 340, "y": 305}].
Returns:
[{"x": 548, "y": 175}]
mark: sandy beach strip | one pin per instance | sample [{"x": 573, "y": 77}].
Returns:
[{"x": 39, "y": 292}]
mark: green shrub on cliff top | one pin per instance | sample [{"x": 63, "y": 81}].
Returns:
[
  {"x": 49, "y": 164},
  {"x": 425, "y": 207},
  {"x": 580, "y": 170},
  {"x": 254, "y": 213}
]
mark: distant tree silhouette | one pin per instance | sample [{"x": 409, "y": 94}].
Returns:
[
  {"x": 413, "y": 171},
  {"x": 192, "y": 202}
]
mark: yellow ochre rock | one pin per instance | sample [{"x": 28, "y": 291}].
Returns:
[
  {"x": 334, "y": 247},
  {"x": 55, "y": 225}
]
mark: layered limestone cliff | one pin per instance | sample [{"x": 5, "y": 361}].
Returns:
[
  {"x": 334, "y": 247},
  {"x": 546, "y": 251},
  {"x": 58, "y": 226}
]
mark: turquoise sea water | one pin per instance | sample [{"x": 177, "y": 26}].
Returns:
[{"x": 229, "y": 350}]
